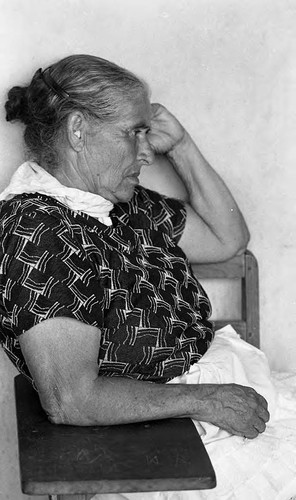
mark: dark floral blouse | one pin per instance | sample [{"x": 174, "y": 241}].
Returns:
[{"x": 131, "y": 280}]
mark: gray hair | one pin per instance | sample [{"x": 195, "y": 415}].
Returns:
[{"x": 89, "y": 84}]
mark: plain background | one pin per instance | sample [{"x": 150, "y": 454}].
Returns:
[{"x": 227, "y": 70}]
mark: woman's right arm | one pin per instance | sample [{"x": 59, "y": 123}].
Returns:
[{"x": 62, "y": 355}]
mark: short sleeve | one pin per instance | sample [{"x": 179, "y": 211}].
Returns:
[{"x": 44, "y": 274}]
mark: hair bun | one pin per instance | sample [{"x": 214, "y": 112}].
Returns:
[{"x": 17, "y": 105}]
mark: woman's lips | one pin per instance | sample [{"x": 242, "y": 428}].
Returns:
[{"x": 134, "y": 178}]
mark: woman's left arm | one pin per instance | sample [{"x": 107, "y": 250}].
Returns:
[{"x": 215, "y": 228}]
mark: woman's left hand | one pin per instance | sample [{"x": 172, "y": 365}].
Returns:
[{"x": 166, "y": 131}]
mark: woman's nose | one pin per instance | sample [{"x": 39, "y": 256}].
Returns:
[{"x": 145, "y": 152}]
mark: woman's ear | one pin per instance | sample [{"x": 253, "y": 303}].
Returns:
[{"x": 76, "y": 128}]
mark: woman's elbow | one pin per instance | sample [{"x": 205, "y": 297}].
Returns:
[
  {"x": 57, "y": 418},
  {"x": 235, "y": 246},
  {"x": 72, "y": 415},
  {"x": 243, "y": 241},
  {"x": 239, "y": 241},
  {"x": 65, "y": 409},
  {"x": 55, "y": 409}
]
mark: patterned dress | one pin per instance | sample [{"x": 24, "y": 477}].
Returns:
[{"x": 131, "y": 280}]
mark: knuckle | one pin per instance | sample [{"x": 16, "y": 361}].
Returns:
[
  {"x": 251, "y": 434},
  {"x": 264, "y": 414},
  {"x": 250, "y": 391},
  {"x": 260, "y": 426}
]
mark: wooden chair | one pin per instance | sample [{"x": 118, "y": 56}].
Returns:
[
  {"x": 77, "y": 462},
  {"x": 245, "y": 269}
]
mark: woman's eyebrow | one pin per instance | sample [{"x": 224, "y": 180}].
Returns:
[{"x": 143, "y": 125}]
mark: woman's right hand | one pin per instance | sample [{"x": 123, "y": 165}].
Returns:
[
  {"x": 166, "y": 131},
  {"x": 237, "y": 409}
]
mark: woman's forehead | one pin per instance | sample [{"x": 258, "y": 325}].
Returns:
[{"x": 136, "y": 111}]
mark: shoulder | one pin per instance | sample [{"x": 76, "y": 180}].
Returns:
[
  {"x": 35, "y": 219},
  {"x": 44, "y": 265},
  {"x": 31, "y": 206}
]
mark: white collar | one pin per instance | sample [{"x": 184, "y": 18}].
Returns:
[{"x": 31, "y": 178}]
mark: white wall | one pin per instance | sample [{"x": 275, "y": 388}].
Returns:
[{"x": 226, "y": 69}]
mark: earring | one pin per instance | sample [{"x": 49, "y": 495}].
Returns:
[{"x": 78, "y": 134}]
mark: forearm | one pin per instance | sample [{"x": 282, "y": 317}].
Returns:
[
  {"x": 207, "y": 193},
  {"x": 117, "y": 400},
  {"x": 111, "y": 401}
]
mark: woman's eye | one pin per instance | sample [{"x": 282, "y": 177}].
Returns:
[
  {"x": 133, "y": 133},
  {"x": 143, "y": 131}
]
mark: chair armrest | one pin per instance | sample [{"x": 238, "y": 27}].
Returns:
[{"x": 148, "y": 456}]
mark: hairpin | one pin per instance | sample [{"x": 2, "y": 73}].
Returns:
[{"x": 52, "y": 84}]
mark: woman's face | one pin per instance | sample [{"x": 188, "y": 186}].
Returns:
[{"x": 115, "y": 152}]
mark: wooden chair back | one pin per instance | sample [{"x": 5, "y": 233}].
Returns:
[{"x": 245, "y": 269}]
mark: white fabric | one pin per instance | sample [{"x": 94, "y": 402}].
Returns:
[
  {"x": 230, "y": 360},
  {"x": 263, "y": 468},
  {"x": 31, "y": 178}
]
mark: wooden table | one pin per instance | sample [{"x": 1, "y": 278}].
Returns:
[{"x": 71, "y": 461}]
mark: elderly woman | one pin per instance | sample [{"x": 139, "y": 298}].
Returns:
[{"x": 99, "y": 306}]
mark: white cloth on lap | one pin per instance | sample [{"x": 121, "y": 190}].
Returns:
[
  {"x": 230, "y": 360},
  {"x": 259, "y": 469}
]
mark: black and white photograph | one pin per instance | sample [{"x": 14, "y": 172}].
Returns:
[{"x": 148, "y": 250}]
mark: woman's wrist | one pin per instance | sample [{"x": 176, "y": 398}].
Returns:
[{"x": 181, "y": 146}]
